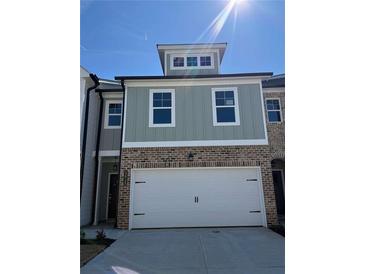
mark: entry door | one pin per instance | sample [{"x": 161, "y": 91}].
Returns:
[
  {"x": 279, "y": 191},
  {"x": 196, "y": 198},
  {"x": 112, "y": 198}
]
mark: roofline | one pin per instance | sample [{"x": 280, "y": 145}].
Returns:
[
  {"x": 107, "y": 81},
  {"x": 195, "y": 45},
  {"x": 252, "y": 74}
]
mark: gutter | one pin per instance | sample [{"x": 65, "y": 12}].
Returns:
[
  {"x": 96, "y": 165},
  {"x": 86, "y": 120},
  {"x": 120, "y": 153}
]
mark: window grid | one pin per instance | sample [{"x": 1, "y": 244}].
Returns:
[
  {"x": 225, "y": 107},
  {"x": 113, "y": 117},
  {"x": 162, "y": 109},
  {"x": 273, "y": 108}
]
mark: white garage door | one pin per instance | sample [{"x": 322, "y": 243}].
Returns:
[{"x": 196, "y": 197}]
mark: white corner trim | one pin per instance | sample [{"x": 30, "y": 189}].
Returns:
[
  {"x": 267, "y": 111},
  {"x": 246, "y": 142},
  {"x": 106, "y": 113},
  {"x": 236, "y": 107},
  {"x": 263, "y": 111},
  {"x": 151, "y": 108}
]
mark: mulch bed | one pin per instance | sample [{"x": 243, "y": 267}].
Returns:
[
  {"x": 278, "y": 229},
  {"x": 89, "y": 248}
]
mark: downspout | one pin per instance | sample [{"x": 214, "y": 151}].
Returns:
[
  {"x": 84, "y": 137},
  {"x": 96, "y": 170},
  {"x": 120, "y": 152}
]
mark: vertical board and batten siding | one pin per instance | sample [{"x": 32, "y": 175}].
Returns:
[
  {"x": 109, "y": 138},
  {"x": 214, "y": 70},
  {"x": 194, "y": 117}
]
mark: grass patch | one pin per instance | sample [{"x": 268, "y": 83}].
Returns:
[
  {"x": 89, "y": 248},
  {"x": 278, "y": 229}
]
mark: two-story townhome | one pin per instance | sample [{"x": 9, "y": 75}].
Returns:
[{"x": 196, "y": 147}]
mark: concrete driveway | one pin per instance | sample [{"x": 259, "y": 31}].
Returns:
[{"x": 200, "y": 250}]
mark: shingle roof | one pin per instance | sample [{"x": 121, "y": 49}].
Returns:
[{"x": 275, "y": 81}]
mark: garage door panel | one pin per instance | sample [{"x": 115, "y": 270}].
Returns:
[{"x": 166, "y": 198}]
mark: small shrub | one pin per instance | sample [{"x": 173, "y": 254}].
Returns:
[{"x": 100, "y": 235}]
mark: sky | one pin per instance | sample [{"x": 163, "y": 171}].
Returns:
[{"x": 120, "y": 37}]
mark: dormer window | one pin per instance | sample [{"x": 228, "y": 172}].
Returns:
[
  {"x": 192, "y": 61},
  {"x": 205, "y": 61},
  {"x": 178, "y": 61}
]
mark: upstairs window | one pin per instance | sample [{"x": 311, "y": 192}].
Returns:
[
  {"x": 273, "y": 110},
  {"x": 192, "y": 61},
  {"x": 205, "y": 61},
  {"x": 178, "y": 61},
  {"x": 113, "y": 114},
  {"x": 162, "y": 108},
  {"x": 225, "y": 107}
]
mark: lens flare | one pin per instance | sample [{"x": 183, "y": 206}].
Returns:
[{"x": 215, "y": 27}]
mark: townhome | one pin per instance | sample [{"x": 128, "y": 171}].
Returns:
[{"x": 191, "y": 148}]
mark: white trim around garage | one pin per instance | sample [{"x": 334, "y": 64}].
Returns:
[{"x": 258, "y": 168}]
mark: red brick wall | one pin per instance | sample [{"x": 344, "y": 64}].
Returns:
[
  {"x": 204, "y": 157},
  {"x": 276, "y": 131}
]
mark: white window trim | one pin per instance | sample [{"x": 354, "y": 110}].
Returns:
[
  {"x": 236, "y": 107},
  {"x": 267, "y": 111},
  {"x": 184, "y": 55},
  {"x": 106, "y": 114},
  {"x": 152, "y": 91}
]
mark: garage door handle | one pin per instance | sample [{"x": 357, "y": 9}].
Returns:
[
  {"x": 136, "y": 214},
  {"x": 255, "y": 211},
  {"x": 196, "y": 199},
  {"x": 251, "y": 180},
  {"x": 140, "y": 182}
]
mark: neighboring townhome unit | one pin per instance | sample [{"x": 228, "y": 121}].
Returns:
[{"x": 195, "y": 146}]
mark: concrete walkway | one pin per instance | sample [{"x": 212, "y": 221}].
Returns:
[{"x": 205, "y": 250}]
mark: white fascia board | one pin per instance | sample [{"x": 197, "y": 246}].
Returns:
[
  {"x": 188, "y": 47},
  {"x": 273, "y": 90},
  {"x": 247, "y": 142},
  {"x": 112, "y": 95},
  {"x": 194, "y": 82}
]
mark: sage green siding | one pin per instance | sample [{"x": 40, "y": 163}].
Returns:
[
  {"x": 193, "y": 116},
  {"x": 192, "y": 71}
]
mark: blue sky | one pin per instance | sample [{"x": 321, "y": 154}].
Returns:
[{"x": 120, "y": 37}]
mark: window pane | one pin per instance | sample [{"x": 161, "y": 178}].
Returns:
[
  {"x": 274, "y": 116},
  {"x": 224, "y": 98},
  {"x": 229, "y": 94},
  {"x": 166, "y": 103},
  {"x": 157, "y": 95},
  {"x": 229, "y": 102},
  {"x": 157, "y": 103},
  {"x": 114, "y": 120},
  {"x": 162, "y": 116},
  {"x": 192, "y": 61},
  {"x": 115, "y": 108},
  {"x": 225, "y": 115},
  {"x": 219, "y": 102},
  {"x": 219, "y": 94},
  {"x": 276, "y": 104},
  {"x": 178, "y": 61},
  {"x": 166, "y": 95},
  {"x": 205, "y": 61}
]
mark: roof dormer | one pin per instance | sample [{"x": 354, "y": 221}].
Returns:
[{"x": 191, "y": 59}]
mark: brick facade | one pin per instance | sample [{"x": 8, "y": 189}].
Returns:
[
  {"x": 203, "y": 157},
  {"x": 276, "y": 131}
]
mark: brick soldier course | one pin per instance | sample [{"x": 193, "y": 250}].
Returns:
[{"x": 168, "y": 157}]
